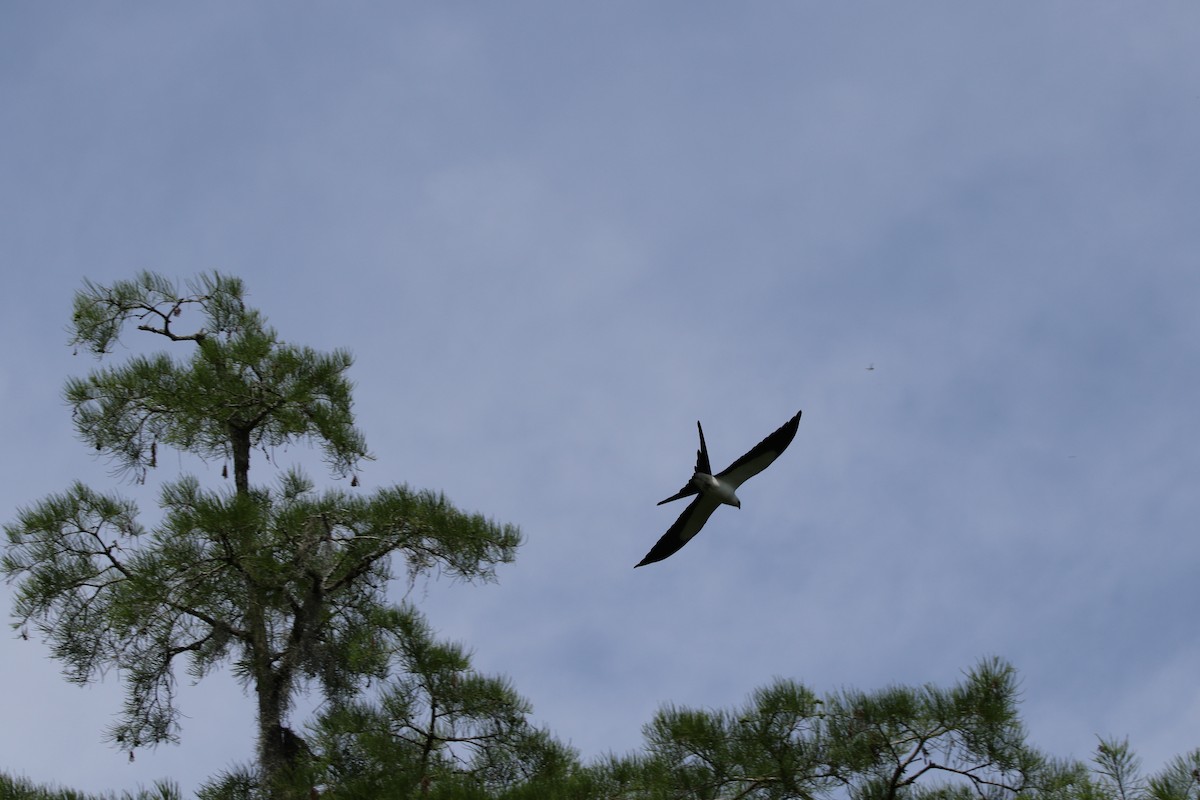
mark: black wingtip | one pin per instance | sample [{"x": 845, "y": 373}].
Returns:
[
  {"x": 792, "y": 424},
  {"x": 702, "y": 464}
]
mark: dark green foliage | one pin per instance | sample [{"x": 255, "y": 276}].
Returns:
[
  {"x": 1117, "y": 775},
  {"x": 898, "y": 742},
  {"x": 926, "y": 743},
  {"x": 1179, "y": 780},
  {"x": 240, "y": 386},
  {"x": 240, "y": 783},
  {"x": 440, "y": 730},
  {"x": 21, "y": 789},
  {"x": 970, "y": 733},
  {"x": 286, "y": 584},
  {"x": 770, "y": 745},
  {"x": 437, "y": 729},
  {"x": 1118, "y": 770}
]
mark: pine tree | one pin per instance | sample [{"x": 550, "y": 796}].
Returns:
[
  {"x": 285, "y": 583},
  {"x": 897, "y": 743},
  {"x": 438, "y": 729}
]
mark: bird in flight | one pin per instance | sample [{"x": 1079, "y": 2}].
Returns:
[{"x": 713, "y": 490}]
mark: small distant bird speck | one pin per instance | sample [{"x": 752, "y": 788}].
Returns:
[
  {"x": 871, "y": 368},
  {"x": 713, "y": 490}
]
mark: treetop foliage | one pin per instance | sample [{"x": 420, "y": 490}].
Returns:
[{"x": 240, "y": 377}]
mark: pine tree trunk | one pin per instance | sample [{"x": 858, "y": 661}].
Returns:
[
  {"x": 278, "y": 748},
  {"x": 271, "y": 757},
  {"x": 239, "y": 439},
  {"x": 276, "y": 755}
]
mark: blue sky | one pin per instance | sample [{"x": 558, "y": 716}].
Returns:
[{"x": 555, "y": 235}]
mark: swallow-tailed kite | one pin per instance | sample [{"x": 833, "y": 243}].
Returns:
[{"x": 713, "y": 490}]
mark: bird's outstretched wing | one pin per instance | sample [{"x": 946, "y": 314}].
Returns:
[
  {"x": 702, "y": 466},
  {"x": 688, "y": 525},
  {"x": 761, "y": 455}
]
